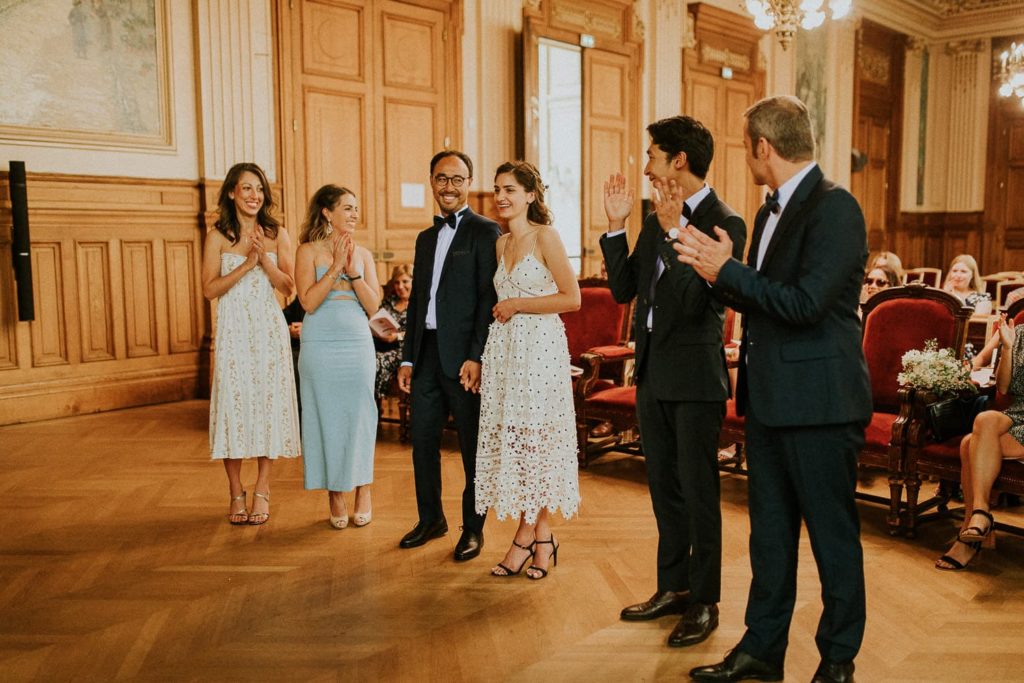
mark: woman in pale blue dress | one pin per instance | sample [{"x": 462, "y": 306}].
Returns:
[{"x": 337, "y": 284}]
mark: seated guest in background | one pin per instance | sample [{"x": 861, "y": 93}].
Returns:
[
  {"x": 389, "y": 345},
  {"x": 887, "y": 259},
  {"x": 293, "y": 315},
  {"x": 337, "y": 284},
  {"x": 964, "y": 281},
  {"x": 877, "y": 279},
  {"x": 997, "y": 436}
]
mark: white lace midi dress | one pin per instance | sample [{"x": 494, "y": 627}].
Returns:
[
  {"x": 526, "y": 451},
  {"x": 252, "y": 402}
]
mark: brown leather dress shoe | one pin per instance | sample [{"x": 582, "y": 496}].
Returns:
[
  {"x": 830, "y": 672},
  {"x": 696, "y": 625},
  {"x": 658, "y": 605},
  {"x": 738, "y": 666}
]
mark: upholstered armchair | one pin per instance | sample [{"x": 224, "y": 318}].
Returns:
[
  {"x": 928, "y": 458},
  {"x": 897, "y": 320},
  {"x": 597, "y": 334}
]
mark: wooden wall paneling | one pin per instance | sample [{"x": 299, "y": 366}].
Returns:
[
  {"x": 336, "y": 130},
  {"x": 8, "y": 311},
  {"x": 49, "y": 340},
  {"x": 180, "y": 266},
  {"x": 94, "y": 301},
  {"x": 139, "y": 299},
  {"x": 1003, "y": 243}
]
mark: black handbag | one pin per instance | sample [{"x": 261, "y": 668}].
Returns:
[{"x": 954, "y": 416}]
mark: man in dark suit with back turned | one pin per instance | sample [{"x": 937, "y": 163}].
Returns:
[
  {"x": 448, "y": 316},
  {"x": 680, "y": 370},
  {"x": 803, "y": 386}
]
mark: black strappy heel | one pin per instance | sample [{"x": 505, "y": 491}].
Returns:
[
  {"x": 974, "y": 534},
  {"x": 553, "y": 558},
  {"x": 509, "y": 572},
  {"x": 954, "y": 564}
]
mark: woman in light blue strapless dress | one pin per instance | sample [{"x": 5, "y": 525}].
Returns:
[{"x": 337, "y": 285}]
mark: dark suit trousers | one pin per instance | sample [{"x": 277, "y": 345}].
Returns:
[
  {"x": 434, "y": 397},
  {"x": 680, "y": 440},
  {"x": 808, "y": 473}
]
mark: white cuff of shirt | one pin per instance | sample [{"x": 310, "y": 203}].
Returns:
[{"x": 615, "y": 233}]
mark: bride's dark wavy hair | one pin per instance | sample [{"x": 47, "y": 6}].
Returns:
[
  {"x": 227, "y": 220},
  {"x": 527, "y": 175}
]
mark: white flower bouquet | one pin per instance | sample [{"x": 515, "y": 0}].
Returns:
[{"x": 936, "y": 370}]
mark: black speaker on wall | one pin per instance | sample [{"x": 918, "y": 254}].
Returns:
[{"x": 20, "y": 242}]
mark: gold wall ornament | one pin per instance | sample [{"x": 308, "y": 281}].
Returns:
[
  {"x": 786, "y": 16},
  {"x": 875, "y": 65}
]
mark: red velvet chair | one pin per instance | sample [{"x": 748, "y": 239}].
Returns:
[
  {"x": 597, "y": 334},
  {"x": 897, "y": 320},
  {"x": 926, "y": 457}
]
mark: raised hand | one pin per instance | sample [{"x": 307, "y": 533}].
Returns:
[
  {"x": 668, "y": 203},
  {"x": 338, "y": 256},
  {"x": 618, "y": 201},
  {"x": 1007, "y": 333}
]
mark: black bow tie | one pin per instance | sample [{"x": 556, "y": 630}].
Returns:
[
  {"x": 448, "y": 220},
  {"x": 771, "y": 202}
]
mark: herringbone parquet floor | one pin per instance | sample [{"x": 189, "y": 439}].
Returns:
[{"x": 117, "y": 563}]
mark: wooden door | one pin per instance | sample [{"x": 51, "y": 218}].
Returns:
[
  {"x": 607, "y": 142},
  {"x": 1003, "y": 233},
  {"x": 878, "y": 115},
  {"x": 374, "y": 94},
  {"x": 725, "y": 40}
]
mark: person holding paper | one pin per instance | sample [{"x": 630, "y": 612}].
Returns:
[
  {"x": 388, "y": 325},
  {"x": 337, "y": 285}
]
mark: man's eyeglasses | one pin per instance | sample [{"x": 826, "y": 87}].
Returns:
[
  {"x": 442, "y": 180},
  {"x": 876, "y": 282}
]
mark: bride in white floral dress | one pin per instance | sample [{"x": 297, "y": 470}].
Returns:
[{"x": 526, "y": 452}]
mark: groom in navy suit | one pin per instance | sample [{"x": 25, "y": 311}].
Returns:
[
  {"x": 448, "y": 316},
  {"x": 803, "y": 386}
]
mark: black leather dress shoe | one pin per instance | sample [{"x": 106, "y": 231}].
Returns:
[
  {"x": 469, "y": 545},
  {"x": 696, "y": 625},
  {"x": 658, "y": 605},
  {"x": 738, "y": 666},
  {"x": 830, "y": 672},
  {"x": 423, "y": 532}
]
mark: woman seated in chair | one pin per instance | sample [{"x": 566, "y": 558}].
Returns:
[
  {"x": 877, "y": 279},
  {"x": 997, "y": 436},
  {"x": 887, "y": 259},
  {"x": 389, "y": 344},
  {"x": 964, "y": 281}
]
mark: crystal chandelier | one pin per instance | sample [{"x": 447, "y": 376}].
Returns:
[
  {"x": 785, "y": 16},
  {"x": 1011, "y": 72}
]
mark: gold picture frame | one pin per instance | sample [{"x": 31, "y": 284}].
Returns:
[{"x": 95, "y": 74}]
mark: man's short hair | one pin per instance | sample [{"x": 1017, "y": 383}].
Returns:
[
  {"x": 784, "y": 122},
  {"x": 685, "y": 134},
  {"x": 452, "y": 153}
]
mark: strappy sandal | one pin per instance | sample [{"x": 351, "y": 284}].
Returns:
[
  {"x": 974, "y": 534},
  {"x": 264, "y": 515},
  {"x": 244, "y": 513},
  {"x": 508, "y": 572},
  {"x": 956, "y": 565},
  {"x": 553, "y": 559}
]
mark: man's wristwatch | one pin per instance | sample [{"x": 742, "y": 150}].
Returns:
[{"x": 353, "y": 279}]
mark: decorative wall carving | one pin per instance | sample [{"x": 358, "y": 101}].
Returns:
[
  {"x": 588, "y": 18},
  {"x": 958, "y": 47},
  {"x": 709, "y": 54},
  {"x": 875, "y": 65}
]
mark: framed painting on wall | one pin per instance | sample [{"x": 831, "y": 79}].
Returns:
[{"x": 85, "y": 73}]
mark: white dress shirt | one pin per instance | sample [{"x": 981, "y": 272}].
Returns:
[
  {"x": 786, "y": 191},
  {"x": 444, "y": 241}
]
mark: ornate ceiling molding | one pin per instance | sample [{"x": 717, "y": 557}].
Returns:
[{"x": 926, "y": 18}]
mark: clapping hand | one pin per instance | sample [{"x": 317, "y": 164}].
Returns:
[
  {"x": 1007, "y": 332},
  {"x": 668, "y": 203},
  {"x": 254, "y": 240},
  {"x": 339, "y": 257},
  {"x": 618, "y": 201},
  {"x": 706, "y": 254}
]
